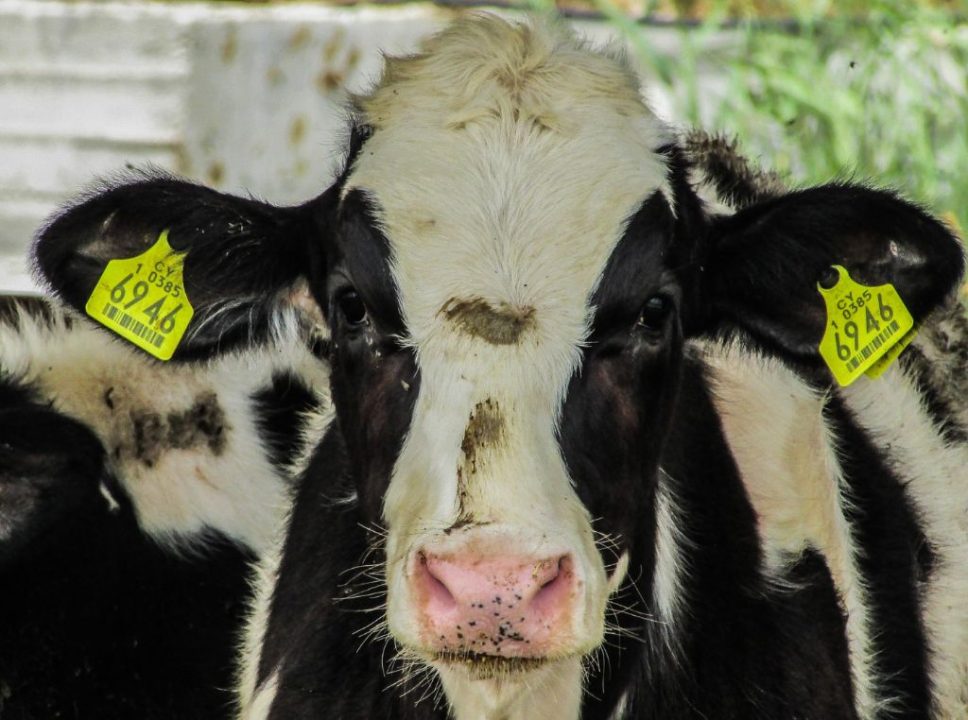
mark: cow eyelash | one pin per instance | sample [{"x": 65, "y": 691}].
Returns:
[{"x": 351, "y": 308}]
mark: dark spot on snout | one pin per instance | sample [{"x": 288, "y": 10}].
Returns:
[{"x": 502, "y": 325}]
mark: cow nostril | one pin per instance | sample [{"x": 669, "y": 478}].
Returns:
[
  {"x": 437, "y": 591},
  {"x": 550, "y": 582},
  {"x": 552, "y": 579},
  {"x": 555, "y": 584}
]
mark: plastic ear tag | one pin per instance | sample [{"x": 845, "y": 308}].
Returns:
[
  {"x": 878, "y": 368},
  {"x": 143, "y": 299},
  {"x": 863, "y": 325}
]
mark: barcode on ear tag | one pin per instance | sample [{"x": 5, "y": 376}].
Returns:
[
  {"x": 143, "y": 299},
  {"x": 878, "y": 368},
  {"x": 864, "y": 324}
]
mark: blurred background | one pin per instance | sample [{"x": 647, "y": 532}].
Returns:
[{"x": 247, "y": 97}]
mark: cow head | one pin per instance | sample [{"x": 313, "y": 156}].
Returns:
[{"x": 508, "y": 268}]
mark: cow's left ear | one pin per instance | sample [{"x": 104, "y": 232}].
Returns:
[
  {"x": 761, "y": 266},
  {"x": 245, "y": 263}
]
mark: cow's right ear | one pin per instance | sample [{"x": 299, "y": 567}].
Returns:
[
  {"x": 246, "y": 262},
  {"x": 765, "y": 264}
]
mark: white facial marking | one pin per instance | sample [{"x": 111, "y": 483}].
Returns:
[{"x": 504, "y": 163}]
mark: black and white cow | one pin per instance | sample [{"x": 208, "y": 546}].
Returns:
[
  {"x": 585, "y": 460},
  {"x": 133, "y": 498}
]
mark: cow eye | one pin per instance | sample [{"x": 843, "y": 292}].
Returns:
[
  {"x": 654, "y": 312},
  {"x": 351, "y": 308}
]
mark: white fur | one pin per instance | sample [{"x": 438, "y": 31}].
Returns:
[
  {"x": 619, "y": 572},
  {"x": 314, "y": 427},
  {"x": 785, "y": 478},
  {"x": 113, "y": 505},
  {"x": 705, "y": 188},
  {"x": 236, "y": 491},
  {"x": 250, "y": 697},
  {"x": 620, "y": 707},
  {"x": 670, "y": 566},
  {"x": 505, "y": 162},
  {"x": 935, "y": 478},
  {"x": 549, "y": 693},
  {"x": 795, "y": 487},
  {"x": 261, "y": 704},
  {"x": 794, "y": 483}
]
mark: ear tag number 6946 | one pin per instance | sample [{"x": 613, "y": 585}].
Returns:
[
  {"x": 143, "y": 299},
  {"x": 867, "y": 327}
]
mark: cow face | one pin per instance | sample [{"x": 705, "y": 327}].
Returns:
[
  {"x": 500, "y": 282},
  {"x": 507, "y": 267}
]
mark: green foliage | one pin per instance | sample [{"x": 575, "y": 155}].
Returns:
[{"x": 879, "y": 94}]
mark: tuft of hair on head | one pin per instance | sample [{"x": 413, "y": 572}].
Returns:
[
  {"x": 736, "y": 179},
  {"x": 483, "y": 66}
]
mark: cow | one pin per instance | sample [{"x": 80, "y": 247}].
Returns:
[
  {"x": 133, "y": 499},
  {"x": 584, "y": 458}
]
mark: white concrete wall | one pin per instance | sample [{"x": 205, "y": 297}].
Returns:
[
  {"x": 82, "y": 92},
  {"x": 245, "y": 98}
]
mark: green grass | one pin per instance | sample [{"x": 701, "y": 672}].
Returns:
[{"x": 880, "y": 94}]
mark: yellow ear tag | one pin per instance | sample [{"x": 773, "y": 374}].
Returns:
[
  {"x": 143, "y": 299},
  {"x": 878, "y": 368},
  {"x": 864, "y": 324}
]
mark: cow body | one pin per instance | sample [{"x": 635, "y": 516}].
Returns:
[
  {"x": 585, "y": 460},
  {"x": 133, "y": 498},
  {"x": 759, "y": 581}
]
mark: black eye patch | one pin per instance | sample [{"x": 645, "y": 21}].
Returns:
[
  {"x": 362, "y": 254},
  {"x": 635, "y": 271}
]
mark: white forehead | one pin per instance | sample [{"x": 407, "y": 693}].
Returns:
[{"x": 504, "y": 163}]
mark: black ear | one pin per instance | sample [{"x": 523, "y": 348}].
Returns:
[
  {"x": 244, "y": 258},
  {"x": 763, "y": 264}
]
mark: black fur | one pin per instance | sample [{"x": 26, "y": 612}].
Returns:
[
  {"x": 940, "y": 406},
  {"x": 884, "y": 525},
  {"x": 737, "y": 181},
  {"x": 766, "y": 260},
  {"x": 279, "y": 411},
  {"x": 333, "y": 670},
  {"x": 639, "y": 414},
  {"x": 746, "y": 648},
  {"x": 240, "y": 253},
  {"x": 99, "y": 622}
]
